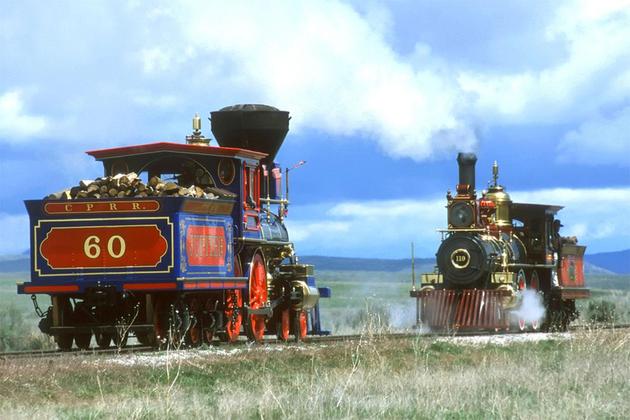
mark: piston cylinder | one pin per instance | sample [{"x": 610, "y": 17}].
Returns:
[{"x": 306, "y": 297}]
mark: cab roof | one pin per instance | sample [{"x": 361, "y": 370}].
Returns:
[
  {"x": 162, "y": 147},
  {"x": 520, "y": 210}
]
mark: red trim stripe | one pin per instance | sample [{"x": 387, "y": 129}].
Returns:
[
  {"x": 214, "y": 285},
  {"x": 148, "y": 286},
  {"x": 49, "y": 289}
]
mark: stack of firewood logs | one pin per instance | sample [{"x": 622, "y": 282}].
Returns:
[{"x": 130, "y": 185}]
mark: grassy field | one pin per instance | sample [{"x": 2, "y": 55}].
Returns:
[{"x": 587, "y": 376}]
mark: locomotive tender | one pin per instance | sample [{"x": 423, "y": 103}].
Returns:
[
  {"x": 492, "y": 252},
  {"x": 173, "y": 269}
]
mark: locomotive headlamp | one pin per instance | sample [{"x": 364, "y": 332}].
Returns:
[{"x": 461, "y": 214}]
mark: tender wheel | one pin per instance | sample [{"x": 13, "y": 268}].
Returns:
[
  {"x": 179, "y": 323},
  {"x": 257, "y": 298},
  {"x": 283, "y": 325},
  {"x": 83, "y": 341},
  {"x": 171, "y": 322},
  {"x": 160, "y": 321},
  {"x": 299, "y": 327},
  {"x": 80, "y": 317},
  {"x": 209, "y": 326},
  {"x": 103, "y": 340},
  {"x": 64, "y": 340},
  {"x": 194, "y": 336},
  {"x": 146, "y": 339},
  {"x": 120, "y": 338}
]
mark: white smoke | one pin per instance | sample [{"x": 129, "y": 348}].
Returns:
[
  {"x": 531, "y": 308},
  {"x": 402, "y": 316}
]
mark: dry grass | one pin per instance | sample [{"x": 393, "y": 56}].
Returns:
[{"x": 585, "y": 377}]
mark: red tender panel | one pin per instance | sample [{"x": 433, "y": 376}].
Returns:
[
  {"x": 205, "y": 245},
  {"x": 572, "y": 271},
  {"x": 104, "y": 247}
]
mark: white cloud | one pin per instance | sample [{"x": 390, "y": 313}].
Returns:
[
  {"x": 15, "y": 122},
  {"x": 333, "y": 64},
  {"x": 595, "y": 67},
  {"x": 332, "y": 67},
  {"x": 385, "y": 228},
  {"x": 599, "y": 141},
  {"x": 335, "y": 72},
  {"x": 301, "y": 231}
]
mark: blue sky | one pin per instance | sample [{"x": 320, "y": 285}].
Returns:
[{"x": 382, "y": 95}]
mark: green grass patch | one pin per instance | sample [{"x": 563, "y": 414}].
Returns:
[{"x": 418, "y": 377}]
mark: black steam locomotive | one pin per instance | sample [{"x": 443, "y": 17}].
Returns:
[{"x": 491, "y": 254}]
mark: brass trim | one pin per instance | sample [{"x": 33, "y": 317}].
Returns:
[
  {"x": 455, "y": 263},
  {"x": 431, "y": 278},
  {"x": 233, "y": 169}
]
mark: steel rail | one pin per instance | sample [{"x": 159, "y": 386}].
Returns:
[{"x": 36, "y": 354}]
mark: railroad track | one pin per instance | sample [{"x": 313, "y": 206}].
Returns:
[{"x": 34, "y": 354}]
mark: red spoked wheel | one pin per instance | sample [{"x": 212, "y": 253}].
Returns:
[
  {"x": 534, "y": 284},
  {"x": 283, "y": 326},
  {"x": 233, "y": 305},
  {"x": 522, "y": 284},
  {"x": 233, "y": 315},
  {"x": 300, "y": 325},
  {"x": 257, "y": 298}
]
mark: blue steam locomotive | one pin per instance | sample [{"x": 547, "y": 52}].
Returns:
[{"x": 177, "y": 243}]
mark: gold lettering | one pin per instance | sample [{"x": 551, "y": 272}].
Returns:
[
  {"x": 135, "y": 206},
  {"x": 206, "y": 246},
  {"x": 89, "y": 206},
  {"x": 68, "y": 207},
  {"x": 112, "y": 206}
]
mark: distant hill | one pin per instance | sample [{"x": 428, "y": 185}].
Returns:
[
  {"x": 617, "y": 262},
  {"x": 14, "y": 263},
  {"x": 604, "y": 263},
  {"x": 595, "y": 269},
  {"x": 422, "y": 264}
]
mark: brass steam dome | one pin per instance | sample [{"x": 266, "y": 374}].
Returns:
[{"x": 502, "y": 201}]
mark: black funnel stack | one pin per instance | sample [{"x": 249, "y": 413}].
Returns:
[
  {"x": 466, "y": 162},
  {"x": 261, "y": 128}
]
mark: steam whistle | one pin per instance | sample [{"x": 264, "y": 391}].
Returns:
[{"x": 196, "y": 137}]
